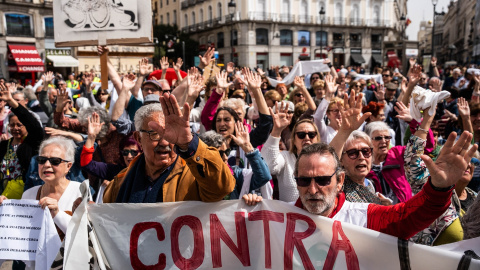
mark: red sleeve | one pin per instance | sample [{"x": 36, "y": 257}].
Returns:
[
  {"x": 209, "y": 110},
  {"x": 404, "y": 220},
  {"x": 86, "y": 156}
]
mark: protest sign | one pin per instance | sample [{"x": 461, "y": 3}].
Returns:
[
  {"x": 231, "y": 235},
  {"x": 27, "y": 233}
]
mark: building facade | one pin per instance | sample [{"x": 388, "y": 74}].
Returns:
[{"x": 261, "y": 33}]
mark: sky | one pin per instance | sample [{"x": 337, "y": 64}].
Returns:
[{"x": 421, "y": 10}]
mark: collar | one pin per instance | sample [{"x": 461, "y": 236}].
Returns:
[{"x": 339, "y": 201}]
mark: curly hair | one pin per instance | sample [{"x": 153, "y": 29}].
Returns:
[
  {"x": 85, "y": 113},
  {"x": 212, "y": 139},
  {"x": 373, "y": 107}
]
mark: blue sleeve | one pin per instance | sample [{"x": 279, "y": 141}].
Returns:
[
  {"x": 132, "y": 106},
  {"x": 192, "y": 148},
  {"x": 261, "y": 173},
  {"x": 103, "y": 170},
  {"x": 259, "y": 135}
]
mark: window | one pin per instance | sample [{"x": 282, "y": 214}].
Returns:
[
  {"x": 355, "y": 40},
  {"x": 48, "y": 21},
  {"x": 167, "y": 2},
  {"x": 286, "y": 59},
  {"x": 210, "y": 13},
  {"x": 285, "y": 16},
  {"x": 338, "y": 13},
  {"x": 303, "y": 38},
  {"x": 304, "y": 11},
  {"x": 286, "y": 37},
  {"x": 261, "y": 8},
  {"x": 338, "y": 39},
  {"x": 186, "y": 20},
  {"x": 161, "y": 3},
  {"x": 321, "y": 38},
  {"x": 219, "y": 10},
  {"x": 355, "y": 17},
  {"x": 220, "y": 40},
  {"x": 235, "y": 38},
  {"x": 193, "y": 18},
  {"x": 168, "y": 18},
  {"x": 161, "y": 19},
  {"x": 376, "y": 15},
  {"x": 262, "y": 36},
  {"x": 19, "y": 25},
  {"x": 201, "y": 16},
  {"x": 174, "y": 17}
]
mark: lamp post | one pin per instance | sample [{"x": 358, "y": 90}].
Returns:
[
  {"x": 231, "y": 10},
  {"x": 434, "y": 2},
  {"x": 322, "y": 16}
]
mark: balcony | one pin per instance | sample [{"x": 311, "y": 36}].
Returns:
[
  {"x": 208, "y": 24},
  {"x": 305, "y": 19},
  {"x": 200, "y": 26},
  {"x": 185, "y": 29},
  {"x": 356, "y": 22},
  {"x": 378, "y": 23},
  {"x": 355, "y": 44},
  {"x": 260, "y": 16},
  {"x": 339, "y": 43},
  {"x": 287, "y": 18},
  {"x": 185, "y": 4},
  {"x": 192, "y": 2},
  {"x": 376, "y": 44},
  {"x": 339, "y": 21}
]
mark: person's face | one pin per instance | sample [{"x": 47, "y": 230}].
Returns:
[
  {"x": 298, "y": 98},
  {"x": 304, "y": 128},
  {"x": 314, "y": 78},
  {"x": 282, "y": 90},
  {"x": 380, "y": 147},
  {"x": 239, "y": 85},
  {"x": 379, "y": 117},
  {"x": 103, "y": 95},
  {"x": 150, "y": 89},
  {"x": 390, "y": 93},
  {"x": 475, "y": 119},
  {"x": 70, "y": 77},
  {"x": 20, "y": 99},
  {"x": 358, "y": 168},
  {"x": 468, "y": 174},
  {"x": 222, "y": 150},
  {"x": 225, "y": 123},
  {"x": 319, "y": 92},
  {"x": 2, "y": 104},
  {"x": 240, "y": 113},
  {"x": 386, "y": 77},
  {"x": 52, "y": 97},
  {"x": 270, "y": 103},
  {"x": 17, "y": 129},
  {"x": 129, "y": 153},
  {"x": 456, "y": 74},
  {"x": 264, "y": 85},
  {"x": 423, "y": 80},
  {"x": 334, "y": 114},
  {"x": 316, "y": 199},
  {"x": 49, "y": 172},
  {"x": 341, "y": 78},
  {"x": 357, "y": 86},
  {"x": 62, "y": 85},
  {"x": 158, "y": 154}
]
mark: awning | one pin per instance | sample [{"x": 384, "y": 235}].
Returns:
[
  {"x": 377, "y": 58},
  {"x": 26, "y": 58},
  {"x": 357, "y": 58},
  {"x": 63, "y": 60}
]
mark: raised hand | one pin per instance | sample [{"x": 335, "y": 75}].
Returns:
[
  {"x": 281, "y": 118},
  {"x": 164, "y": 63},
  {"x": 380, "y": 93},
  {"x": 102, "y": 49},
  {"x": 94, "y": 126},
  {"x": 450, "y": 116},
  {"x": 177, "y": 129},
  {"x": 241, "y": 137},
  {"x": 412, "y": 61},
  {"x": 433, "y": 62},
  {"x": 207, "y": 57},
  {"x": 403, "y": 112},
  {"x": 351, "y": 112},
  {"x": 230, "y": 67},
  {"x": 88, "y": 79},
  {"x": 260, "y": 71},
  {"x": 54, "y": 132},
  {"x": 222, "y": 83},
  {"x": 5, "y": 93},
  {"x": 415, "y": 75},
  {"x": 326, "y": 61},
  {"x": 452, "y": 160},
  {"x": 463, "y": 108},
  {"x": 48, "y": 76},
  {"x": 298, "y": 82},
  {"x": 144, "y": 68},
  {"x": 330, "y": 88},
  {"x": 404, "y": 84},
  {"x": 178, "y": 65},
  {"x": 254, "y": 81},
  {"x": 128, "y": 82},
  {"x": 62, "y": 99},
  {"x": 195, "y": 86}
]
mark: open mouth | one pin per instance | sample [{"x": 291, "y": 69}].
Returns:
[
  {"x": 48, "y": 173},
  {"x": 361, "y": 167}
]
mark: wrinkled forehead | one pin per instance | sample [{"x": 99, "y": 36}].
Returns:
[{"x": 155, "y": 117}]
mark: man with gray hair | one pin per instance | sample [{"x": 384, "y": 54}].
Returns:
[{"x": 175, "y": 164}]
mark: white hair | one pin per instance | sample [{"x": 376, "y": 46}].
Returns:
[
  {"x": 67, "y": 146},
  {"x": 85, "y": 113},
  {"x": 144, "y": 112},
  {"x": 357, "y": 134},
  {"x": 234, "y": 103},
  {"x": 376, "y": 126}
]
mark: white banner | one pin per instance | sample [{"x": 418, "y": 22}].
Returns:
[
  {"x": 301, "y": 68},
  {"x": 231, "y": 235}
]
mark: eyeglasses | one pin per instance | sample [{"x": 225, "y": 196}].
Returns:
[
  {"x": 134, "y": 153},
  {"x": 55, "y": 161},
  {"x": 154, "y": 136},
  {"x": 358, "y": 85},
  {"x": 301, "y": 135},
  {"x": 423, "y": 79},
  {"x": 354, "y": 153},
  {"x": 320, "y": 180},
  {"x": 290, "y": 112},
  {"x": 299, "y": 95},
  {"x": 379, "y": 138},
  {"x": 104, "y": 94},
  {"x": 225, "y": 152},
  {"x": 315, "y": 78},
  {"x": 385, "y": 75},
  {"x": 148, "y": 89}
]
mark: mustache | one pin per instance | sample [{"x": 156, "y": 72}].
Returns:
[
  {"x": 315, "y": 196},
  {"x": 161, "y": 148}
]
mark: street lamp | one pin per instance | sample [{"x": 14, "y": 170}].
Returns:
[
  {"x": 322, "y": 16},
  {"x": 231, "y": 10},
  {"x": 434, "y": 2}
]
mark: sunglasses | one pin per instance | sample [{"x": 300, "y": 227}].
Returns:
[
  {"x": 320, "y": 180},
  {"x": 299, "y": 95},
  {"x": 301, "y": 135},
  {"x": 134, "y": 153},
  {"x": 55, "y": 161},
  {"x": 353, "y": 153},
  {"x": 385, "y": 75},
  {"x": 225, "y": 152},
  {"x": 104, "y": 94},
  {"x": 379, "y": 138}
]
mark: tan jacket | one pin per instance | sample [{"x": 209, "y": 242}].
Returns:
[{"x": 202, "y": 177}]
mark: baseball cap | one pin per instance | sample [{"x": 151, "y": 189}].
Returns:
[
  {"x": 153, "y": 82},
  {"x": 391, "y": 86},
  {"x": 152, "y": 98}
]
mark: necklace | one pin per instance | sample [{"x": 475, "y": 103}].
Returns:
[{"x": 10, "y": 156}]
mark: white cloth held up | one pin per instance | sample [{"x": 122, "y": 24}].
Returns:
[
  {"x": 422, "y": 99},
  {"x": 301, "y": 68}
]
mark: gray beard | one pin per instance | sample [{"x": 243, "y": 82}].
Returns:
[{"x": 320, "y": 207}]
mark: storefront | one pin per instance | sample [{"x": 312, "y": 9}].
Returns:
[
  {"x": 24, "y": 62},
  {"x": 60, "y": 60},
  {"x": 356, "y": 57},
  {"x": 377, "y": 58}
]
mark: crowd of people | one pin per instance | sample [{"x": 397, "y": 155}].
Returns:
[{"x": 391, "y": 152}]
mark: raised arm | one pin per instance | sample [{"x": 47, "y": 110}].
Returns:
[
  {"x": 352, "y": 119},
  {"x": 330, "y": 90},
  {"x": 195, "y": 86},
  {"x": 254, "y": 82},
  {"x": 143, "y": 70},
  {"x": 333, "y": 72},
  {"x": 206, "y": 58},
  {"x": 212, "y": 103},
  {"x": 464, "y": 111},
  {"x": 123, "y": 94},
  {"x": 433, "y": 64},
  {"x": 164, "y": 65},
  {"x": 112, "y": 72},
  {"x": 58, "y": 132},
  {"x": 300, "y": 84},
  {"x": 414, "y": 76},
  {"x": 177, "y": 67}
]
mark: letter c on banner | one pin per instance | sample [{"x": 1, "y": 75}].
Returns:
[
  {"x": 137, "y": 230},
  {"x": 198, "y": 243}
]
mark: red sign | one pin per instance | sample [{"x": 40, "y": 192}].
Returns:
[{"x": 27, "y": 58}]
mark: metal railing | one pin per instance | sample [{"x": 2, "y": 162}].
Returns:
[
  {"x": 355, "y": 44},
  {"x": 260, "y": 16},
  {"x": 287, "y": 18},
  {"x": 356, "y": 22},
  {"x": 339, "y": 21},
  {"x": 305, "y": 19}
]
